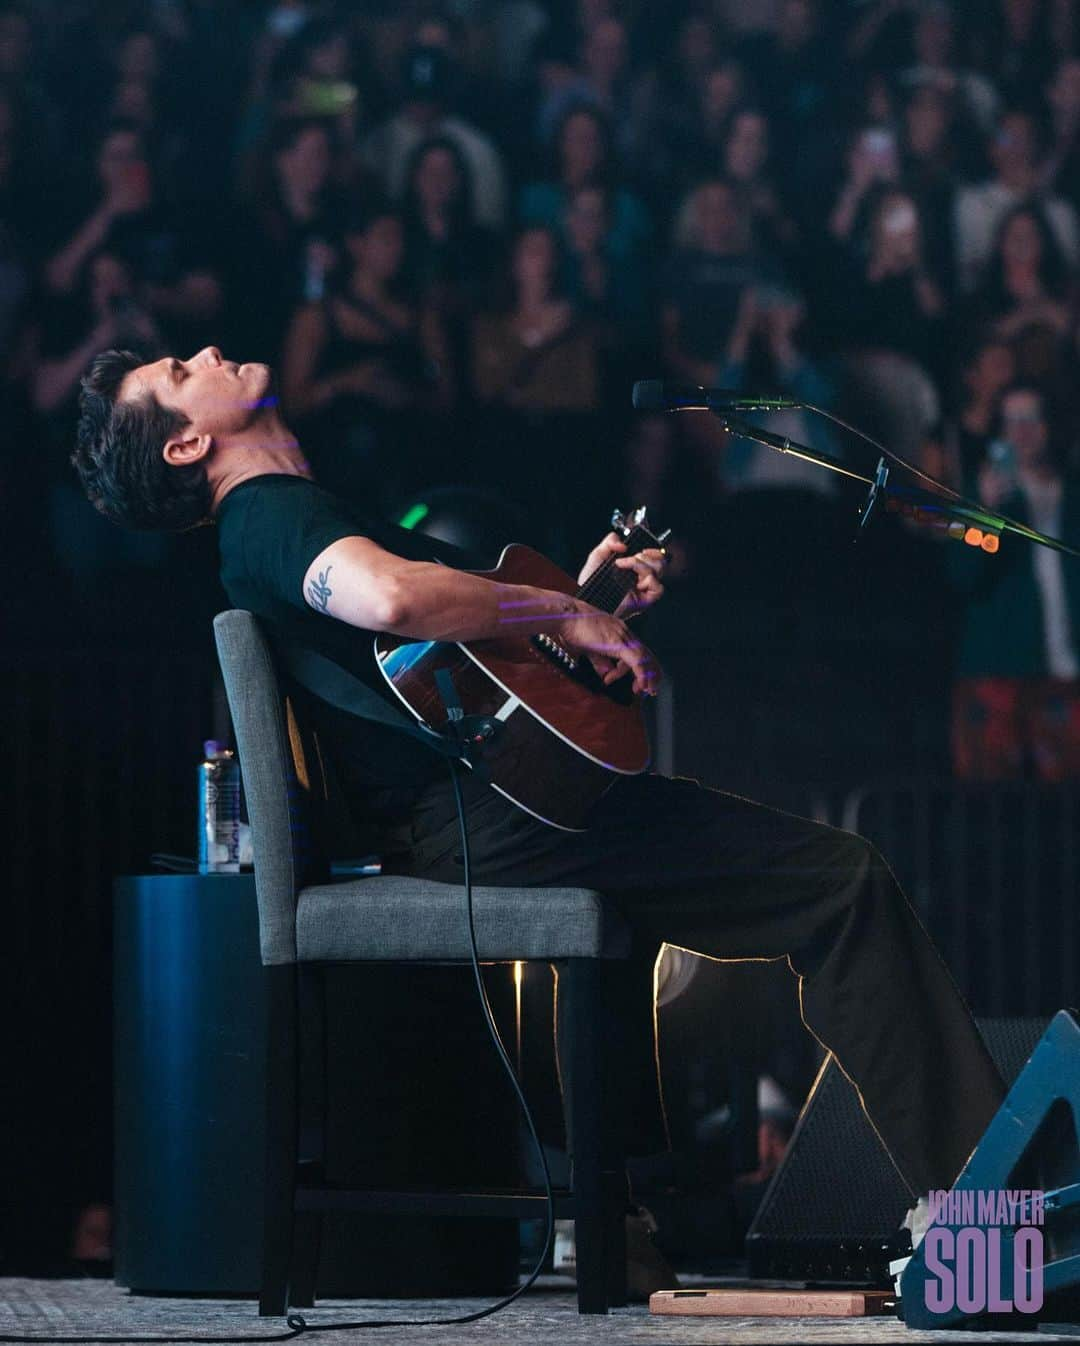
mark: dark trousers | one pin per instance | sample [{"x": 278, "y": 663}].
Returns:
[{"x": 732, "y": 879}]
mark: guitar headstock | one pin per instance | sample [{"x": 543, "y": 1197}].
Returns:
[{"x": 634, "y": 529}]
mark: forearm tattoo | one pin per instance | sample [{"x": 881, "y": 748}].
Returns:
[{"x": 319, "y": 591}]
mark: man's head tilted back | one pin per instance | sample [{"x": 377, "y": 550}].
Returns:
[{"x": 155, "y": 439}]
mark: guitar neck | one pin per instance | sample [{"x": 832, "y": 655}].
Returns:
[{"x": 609, "y": 584}]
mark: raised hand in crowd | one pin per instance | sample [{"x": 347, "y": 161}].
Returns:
[
  {"x": 109, "y": 314},
  {"x": 124, "y": 189},
  {"x": 872, "y": 160}
]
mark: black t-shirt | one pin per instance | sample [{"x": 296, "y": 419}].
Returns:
[
  {"x": 270, "y": 529},
  {"x": 705, "y": 290}
]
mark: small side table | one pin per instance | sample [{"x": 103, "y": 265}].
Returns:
[{"x": 189, "y": 1043}]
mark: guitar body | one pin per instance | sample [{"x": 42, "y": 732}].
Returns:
[{"x": 563, "y": 739}]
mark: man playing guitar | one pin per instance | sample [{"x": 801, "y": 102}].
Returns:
[{"x": 174, "y": 443}]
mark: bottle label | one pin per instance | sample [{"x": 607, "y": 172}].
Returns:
[{"x": 219, "y": 817}]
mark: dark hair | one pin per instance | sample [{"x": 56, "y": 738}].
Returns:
[
  {"x": 607, "y": 171},
  {"x": 265, "y": 189},
  {"x": 118, "y": 453},
  {"x": 462, "y": 215},
  {"x": 1053, "y": 268},
  {"x": 1056, "y": 436}
]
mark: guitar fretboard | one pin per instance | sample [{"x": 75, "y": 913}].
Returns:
[{"x": 609, "y": 584}]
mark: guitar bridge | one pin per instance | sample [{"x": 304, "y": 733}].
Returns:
[{"x": 554, "y": 650}]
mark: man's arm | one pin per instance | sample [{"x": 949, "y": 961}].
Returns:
[{"x": 359, "y": 582}]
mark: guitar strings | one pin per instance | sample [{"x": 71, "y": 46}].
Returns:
[{"x": 607, "y": 586}]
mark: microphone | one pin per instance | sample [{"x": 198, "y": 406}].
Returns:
[{"x": 656, "y": 395}]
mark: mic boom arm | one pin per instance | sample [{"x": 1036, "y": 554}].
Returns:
[{"x": 911, "y": 499}]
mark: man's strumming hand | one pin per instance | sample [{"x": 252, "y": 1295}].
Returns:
[{"x": 611, "y": 648}]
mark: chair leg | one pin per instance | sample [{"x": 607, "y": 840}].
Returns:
[
  {"x": 307, "y": 1245},
  {"x": 580, "y": 1002},
  {"x": 308, "y": 1224},
  {"x": 615, "y": 1237},
  {"x": 279, "y": 1192},
  {"x": 613, "y": 1125}
]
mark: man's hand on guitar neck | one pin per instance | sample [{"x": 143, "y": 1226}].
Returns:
[{"x": 648, "y": 567}]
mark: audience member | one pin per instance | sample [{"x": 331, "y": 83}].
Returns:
[
  {"x": 986, "y": 370},
  {"x": 428, "y": 77},
  {"x": 935, "y": 66},
  {"x": 1016, "y": 709},
  {"x": 359, "y": 355},
  {"x": 746, "y": 163},
  {"x": 285, "y": 249},
  {"x": 1015, "y": 46},
  {"x": 584, "y": 157},
  {"x": 609, "y": 288},
  {"x": 447, "y": 252},
  {"x": 1016, "y": 155},
  {"x": 707, "y": 316},
  {"x": 682, "y": 79},
  {"x": 104, "y": 312},
  {"x": 167, "y": 254},
  {"x": 693, "y": 132},
  {"x": 929, "y": 155},
  {"x": 536, "y": 355},
  {"x": 896, "y": 303},
  {"x": 1024, "y": 291},
  {"x": 873, "y": 160},
  {"x": 765, "y": 352},
  {"x": 604, "y": 81},
  {"x": 794, "y": 68},
  {"x": 1061, "y": 170}
]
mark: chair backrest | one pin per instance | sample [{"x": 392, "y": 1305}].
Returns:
[{"x": 277, "y": 803}]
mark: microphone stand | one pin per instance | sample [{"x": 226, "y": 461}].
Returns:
[{"x": 959, "y": 519}]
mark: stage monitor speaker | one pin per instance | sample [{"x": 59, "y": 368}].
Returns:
[
  {"x": 999, "y": 1259},
  {"x": 834, "y": 1206}
]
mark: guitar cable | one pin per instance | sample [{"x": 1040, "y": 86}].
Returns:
[{"x": 297, "y": 1323}]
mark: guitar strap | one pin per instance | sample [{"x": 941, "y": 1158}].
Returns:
[{"x": 330, "y": 682}]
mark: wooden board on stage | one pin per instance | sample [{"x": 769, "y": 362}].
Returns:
[{"x": 772, "y": 1303}]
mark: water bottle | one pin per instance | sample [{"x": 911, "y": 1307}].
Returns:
[{"x": 219, "y": 810}]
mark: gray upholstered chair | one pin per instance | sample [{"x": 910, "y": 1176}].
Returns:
[{"x": 305, "y": 926}]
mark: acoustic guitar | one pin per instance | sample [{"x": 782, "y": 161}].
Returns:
[{"x": 555, "y": 738}]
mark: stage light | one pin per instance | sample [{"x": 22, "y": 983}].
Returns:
[{"x": 414, "y": 515}]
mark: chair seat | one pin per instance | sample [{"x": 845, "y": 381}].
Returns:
[{"x": 406, "y": 919}]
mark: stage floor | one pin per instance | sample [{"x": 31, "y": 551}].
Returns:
[{"x": 50, "y": 1310}]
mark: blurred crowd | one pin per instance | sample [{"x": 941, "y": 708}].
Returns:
[{"x": 459, "y": 231}]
